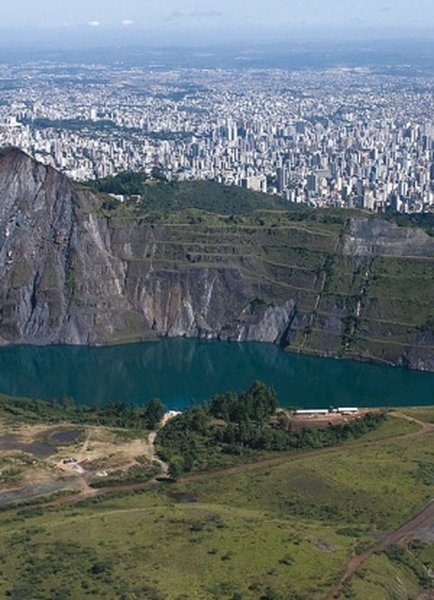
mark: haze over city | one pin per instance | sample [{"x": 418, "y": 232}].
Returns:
[
  {"x": 213, "y": 216},
  {"x": 170, "y": 21}
]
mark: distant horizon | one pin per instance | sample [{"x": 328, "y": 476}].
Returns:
[
  {"x": 60, "y": 23},
  {"x": 106, "y": 38}
]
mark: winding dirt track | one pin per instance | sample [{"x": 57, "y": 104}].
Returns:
[
  {"x": 86, "y": 492},
  {"x": 404, "y": 532}
]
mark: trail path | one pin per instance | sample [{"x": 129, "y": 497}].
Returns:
[
  {"x": 86, "y": 492},
  {"x": 164, "y": 467},
  {"x": 424, "y": 426},
  {"x": 407, "y": 530}
]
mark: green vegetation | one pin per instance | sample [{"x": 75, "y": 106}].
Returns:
[
  {"x": 383, "y": 579},
  {"x": 391, "y": 427},
  {"x": 283, "y": 532},
  {"x": 146, "y": 546},
  {"x": 135, "y": 474},
  {"x": 370, "y": 308},
  {"x": 163, "y": 197},
  {"x": 206, "y": 196},
  {"x": 72, "y": 124},
  {"x": 125, "y": 183},
  {"x": 424, "y": 221},
  {"x": 375, "y": 486},
  {"x": 239, "y": 425},
  {"x": 396, "y": 573},
  {"x": 115, "y": 414},
  {"x": 8, "y": 476}
]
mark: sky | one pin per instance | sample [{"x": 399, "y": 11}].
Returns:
[{"x": 172, "y": 19}]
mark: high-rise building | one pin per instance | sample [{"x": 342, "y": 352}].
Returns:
[{"x": 312, "y": 183}]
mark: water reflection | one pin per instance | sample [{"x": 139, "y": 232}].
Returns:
[{"x": 182, "y": 372}]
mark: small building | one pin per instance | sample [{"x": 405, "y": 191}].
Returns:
[
  {"x": 347, "y": 410},
  {"x": 173, "y": 413},
  {"x": 312, "y": 411}
]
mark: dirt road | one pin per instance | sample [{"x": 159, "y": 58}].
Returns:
[
  {"x": 406, "y": 531},
  {"x": 87, "y": 492}
]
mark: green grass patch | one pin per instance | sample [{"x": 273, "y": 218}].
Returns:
[
  {"x": 283, "y": 532},
  {"x": 353, "y": 485},
  {"x": 391, "y": 427},
  {"x": 383, "y": 579},
  {"x": 422, "y": 413},
  {"x": 145, "y": 546}
]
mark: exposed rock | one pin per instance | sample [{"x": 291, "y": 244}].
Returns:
[
  {"x": 374, "y": 237},
  {"x": 71, "y": 274},
  {"x": 273, "y": 326}
]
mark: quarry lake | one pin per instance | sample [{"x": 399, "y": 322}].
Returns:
[{"x": 182, "y": 372}]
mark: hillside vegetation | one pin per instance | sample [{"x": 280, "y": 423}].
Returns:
[
  {"x": 252, "y": 532},
  {"x": 114, "y": 414},
  {"x": 198, "y": 259},
  {"x": 240, "y": 425},
  {"x": 164, "y": 196},
  {"x": 375, "y": 306}
]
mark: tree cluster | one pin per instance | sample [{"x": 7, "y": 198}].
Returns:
[
  {"x": 114, "y": 414},
  {"x": 240, "y": 424},
  {"x": 123, "y": 184}
]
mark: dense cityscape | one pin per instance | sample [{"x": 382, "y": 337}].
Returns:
[
  {"x": 216, "y": 300},
  {"x": 346, "y": 137}
]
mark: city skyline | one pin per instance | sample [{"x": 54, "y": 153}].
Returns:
[{"x": 340, "y": 137}]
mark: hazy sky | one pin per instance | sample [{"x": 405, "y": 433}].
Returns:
[{"x": 254, "y": 17}]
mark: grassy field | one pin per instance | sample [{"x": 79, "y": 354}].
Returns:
[
  {"x": 283, "y": 532},
  {"x": 354, "y": 485},
  {"x": 393, "y": 427},
  {"x": 149, "y": 548},
  {"x": 383, "y": 579},
  {"x": 423, "y": 413}
]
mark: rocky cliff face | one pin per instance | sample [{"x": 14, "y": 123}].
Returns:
[
  {"x": 60, "y": 281},
  {"x": 70, "y": 273}
]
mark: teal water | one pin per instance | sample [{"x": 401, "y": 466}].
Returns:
[{"x": 182, "y": 372}]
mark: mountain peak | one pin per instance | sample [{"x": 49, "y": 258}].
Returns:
[{"x": 8, "y": 152}]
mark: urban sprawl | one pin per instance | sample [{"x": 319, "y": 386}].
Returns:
[{"x": 339, "y": 137}]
